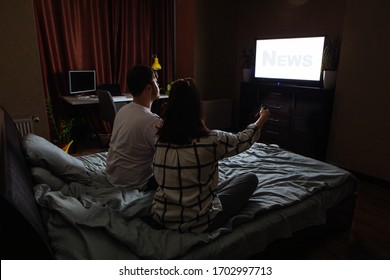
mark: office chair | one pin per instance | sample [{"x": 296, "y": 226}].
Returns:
[
  {"x": 114, "y": 89},
  {"x": 107, "y": 108}
]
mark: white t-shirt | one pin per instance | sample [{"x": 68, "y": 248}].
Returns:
[{"x": 130, "y": 156}]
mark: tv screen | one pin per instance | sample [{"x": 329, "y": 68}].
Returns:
[
  {"x": 289, "y": 59},
  {"x": 82, "y": 81}
]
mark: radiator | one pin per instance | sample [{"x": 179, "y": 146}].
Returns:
[
  {"x": 26, "y": 125},
  {"x": 218, "y": 113}
]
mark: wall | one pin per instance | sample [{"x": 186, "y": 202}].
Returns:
[
  {"x": 21, "y": 85},
  {"x": 185, "y": 32},
  {"x": 360, "y": 130},
  {"x": 215, "y": 47}
]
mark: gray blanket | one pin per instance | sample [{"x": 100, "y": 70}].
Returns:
[{"x": 94, "y": 220}]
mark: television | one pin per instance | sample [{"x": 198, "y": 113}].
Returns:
[
  {"x": 289, "y": 60},
  {"x": 82, "y": 81}
]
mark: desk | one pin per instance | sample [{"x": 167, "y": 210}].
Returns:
[{"x": 86, "y": 100}]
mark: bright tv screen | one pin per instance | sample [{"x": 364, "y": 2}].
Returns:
[
  {"x": 82, "y": 81},
  {"x": 289, "y": 58}
]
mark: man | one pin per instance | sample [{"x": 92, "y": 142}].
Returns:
[{"x": 130, "y": 156}]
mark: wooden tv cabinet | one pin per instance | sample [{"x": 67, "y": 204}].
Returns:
[{"x": 300, "y": 115}]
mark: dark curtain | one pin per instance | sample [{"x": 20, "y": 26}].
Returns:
[{"x": 109, "y": 36}]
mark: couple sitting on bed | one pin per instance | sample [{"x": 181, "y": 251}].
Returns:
[{"x": 178, "y": 156}]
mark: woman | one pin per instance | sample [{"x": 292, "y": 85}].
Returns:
[{"x": 185, "y": 166}]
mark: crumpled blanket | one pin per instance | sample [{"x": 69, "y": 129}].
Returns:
[{"x": 97, "y": 221}]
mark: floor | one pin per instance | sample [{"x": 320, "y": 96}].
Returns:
[
  {"x": 89, "y": 146},
  {"x": 368, "y": 238},
  {"x": 370, "y": 234}
]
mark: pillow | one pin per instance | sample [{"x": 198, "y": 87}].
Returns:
[
  {"x": 43, "y": 176},
  {"x": 42, "y": 153}
]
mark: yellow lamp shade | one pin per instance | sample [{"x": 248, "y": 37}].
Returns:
[{"x": 155, "y": 65}]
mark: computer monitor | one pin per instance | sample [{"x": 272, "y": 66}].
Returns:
[{"x": 82, "y": 81}]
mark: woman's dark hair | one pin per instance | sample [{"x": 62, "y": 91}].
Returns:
[
  {"x": 138, "y": 77},
  {"x": 183, "y": 115}
]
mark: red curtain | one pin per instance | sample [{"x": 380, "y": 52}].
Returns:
[{"x": 109, "y": 36}]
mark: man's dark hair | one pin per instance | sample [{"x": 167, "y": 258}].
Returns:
[{"x": 138, "y": 77}]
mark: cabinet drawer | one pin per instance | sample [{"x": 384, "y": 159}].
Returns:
[
  {"x": 277, "y": 107},
  {"x": 277, "y": 95},
  {"x": 277, "y": 102},
  {"x": 275, "y": 135},
  {"x": 278, "y": 120}
]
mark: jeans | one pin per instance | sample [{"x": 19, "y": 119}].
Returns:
[{"x": 234, "y": 193}]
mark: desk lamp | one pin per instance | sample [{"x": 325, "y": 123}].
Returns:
[{"x": 155, "y": 65}]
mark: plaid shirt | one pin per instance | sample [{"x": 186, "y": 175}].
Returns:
[{"x": 187, "y": 176}]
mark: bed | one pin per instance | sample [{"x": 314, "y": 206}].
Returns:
[{"x": 56, "y": 206}]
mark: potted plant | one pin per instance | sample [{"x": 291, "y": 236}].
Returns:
[
  {"x": 247, "y": 65},
  {"x": 64, "y": 131},
  {"x": 61, "y": 130},
  {"x": 330, "y": 61}
]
